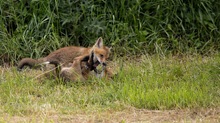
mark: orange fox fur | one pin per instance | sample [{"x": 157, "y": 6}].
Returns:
[{"x": 97, "y": 55}]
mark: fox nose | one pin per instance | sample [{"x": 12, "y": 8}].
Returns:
[{"x": 104, "y": 64}]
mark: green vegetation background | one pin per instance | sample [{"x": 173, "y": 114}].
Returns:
[{"x": 33, "y": 28}]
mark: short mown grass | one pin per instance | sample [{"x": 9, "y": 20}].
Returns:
[{"x": 150, "y": 82}]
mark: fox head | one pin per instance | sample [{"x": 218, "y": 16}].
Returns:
[{"x": 100, "y": 52}]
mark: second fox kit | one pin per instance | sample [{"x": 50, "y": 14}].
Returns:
[
  {"x": 74, "y": 72},
  {"x": 66, "y": 55},
  {"x": 81, "y": 67}
]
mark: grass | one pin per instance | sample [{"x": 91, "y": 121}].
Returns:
[
  {"x": 149, "y": 82},
  {"x": 35, "y": 28}
]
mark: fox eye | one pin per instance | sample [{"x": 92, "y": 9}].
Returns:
[{"x": 101, "y": 56}]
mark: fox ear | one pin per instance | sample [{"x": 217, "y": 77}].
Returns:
[{"x": 99, "y": 42}]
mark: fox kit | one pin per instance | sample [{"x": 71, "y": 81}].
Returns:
[
  {"x": 81, "y": 67},
  {"x": 74, "y": 72},
  {"x": 95, "y": 55},
  {"x": 65, "y": 55}
]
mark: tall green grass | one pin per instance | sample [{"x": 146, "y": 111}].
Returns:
[
  {"x": 36, "y": 27},
  {"x": 155, "y": 83}
]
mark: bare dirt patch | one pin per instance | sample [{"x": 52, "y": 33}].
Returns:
[{"x": 131, "y": 115}]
